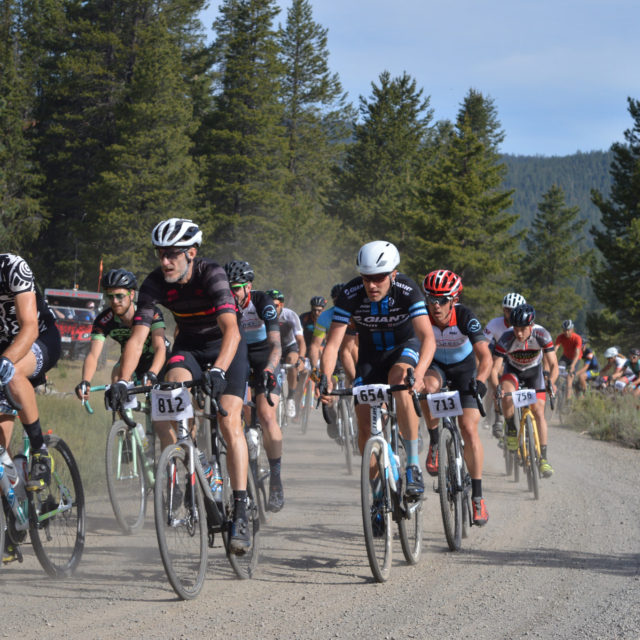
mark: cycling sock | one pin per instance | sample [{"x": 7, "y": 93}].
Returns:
[
  {"x": 240, "y": 504},
  {"x": 274, "y": 467},
  {"x": 543, "y": 451},
  {"x": 433, "y": 436},
  {"x": 34, "y": 431},
  {"x": 411, "y": 447},
  {"x": 476, "y": 488},
  {"x": 511, "y": 426}
]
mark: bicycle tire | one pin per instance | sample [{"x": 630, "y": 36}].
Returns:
[
  {"x": 378, "y": 546},
  {"x": 262, "y": 478},
  {"x": 450, "y": 497},
  {"x": 508, "y": 457},
  {"x": 532, "y": 460},
  {"x": 58, "y": 540},
  {"x": 183, "y": 540},
  {"x": 3, "y": 529},
  {"x": 244, "y": 565},
  {"x": 343, "y": 430},
  {"x": 410, "y": 522},
  {"x": 125, "y": 478},
  {"x": 308, "y": 398}
]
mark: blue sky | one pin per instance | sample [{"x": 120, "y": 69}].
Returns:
[{"x": 559, "y": 71}]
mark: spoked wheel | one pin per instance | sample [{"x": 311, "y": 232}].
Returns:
[
  {"x": 410, "y": 526},
  {"x": 244, "y": 565},
  {"x": 450, "y": 497},
  {"x": 125, "y": 477},
  {"x": 533, "y": 474},
  {"x": 343, "y": 430},
  {"x": 261, "y": 476},
  {"x": 376, "y": 511},
  {"x": 57, "y": 514},
  {"x": 181, "y": 523}
]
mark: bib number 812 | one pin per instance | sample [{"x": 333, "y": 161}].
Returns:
[{"x": 171, "y": 404}]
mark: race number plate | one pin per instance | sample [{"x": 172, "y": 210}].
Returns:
[
  {"x": 131, "y": 403},
  {"x": 524, "y": 397},
  {"x": 171, "y": 404},
  {"x": 445, "y": 404},
  {"x": 373, "y": 394}
]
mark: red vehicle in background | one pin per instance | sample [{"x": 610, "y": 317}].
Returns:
[{"x": 74, "y": 310}]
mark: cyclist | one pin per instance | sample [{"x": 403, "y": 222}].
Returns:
[
  {"x": 571, "y": 343},
  {"x": 390, "y": 316},
  {"x": 29, "y": 347},
  {"x": 633, "y": 364},
  {"x": 347, "y": 357},
  {"x": 460, "y": 341},
  {"x": 493, "y": 331},
  {"x": 116, "y": 322},
  {"x": 523, "y": 350},
  {"x": 196, "y": 291},
  {"x": 589, "y": 370},
  {"x": 294, "y": 348},
  {"x": 614, "y": 369},
  {"x": 259, "y": 322},
  {"x": 308, "y": 318}
]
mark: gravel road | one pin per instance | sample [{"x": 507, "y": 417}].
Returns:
[{"x": 566, "y": 566}]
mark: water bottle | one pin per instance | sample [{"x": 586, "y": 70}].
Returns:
[
  {"x": 206, "y": 466},
  {"x": 253, "y": 443},
  {"x": 143, "y": 438},
  {"x": 394, "y": 461},
  {"x": 13, "y": 488},
  {"x": 216, "y": 482}
]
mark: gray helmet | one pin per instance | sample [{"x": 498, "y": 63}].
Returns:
[
  {"x": 567, "y": 324},
  {"x": 176, "y": 232},
  {"x": 239, "y": 271},
  {"x": 119, "y": 279}
]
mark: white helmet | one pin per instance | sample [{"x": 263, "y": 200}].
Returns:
[
  {"x": 377, "y": 257},
  {"x": 513, "y": 300},
  {"x": 176, "y": 232},
  {"x": 611, "y": 352}
]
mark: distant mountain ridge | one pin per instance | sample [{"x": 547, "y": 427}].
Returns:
[{"x": 577, "y": 174}]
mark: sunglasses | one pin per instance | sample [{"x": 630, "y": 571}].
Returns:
[
  {"x": 170, "y": 254},
  {"x": 238, "y": 286},
  {"x": 119, "y": 297},
  {"x": 376, "y": 278},
  {"x": 439, "y": 300}
]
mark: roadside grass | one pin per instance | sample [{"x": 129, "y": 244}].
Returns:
[{"x": 607, "y": 417}]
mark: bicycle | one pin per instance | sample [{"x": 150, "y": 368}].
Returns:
[
  {"x": 53, "y": 516},
  {"x": 561, "y": 391},
  {"x": 307, "y": 398},
  {"x": 347, "y": 432},
  {"x": 528, "y": 453},
  {"x": 454, "y": 481},
  {"x": 187, "y": 513},
  {"x": 382, "y": 498},
  {"x": 130, "y": 464}
]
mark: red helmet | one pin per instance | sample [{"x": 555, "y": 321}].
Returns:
[{"x": 442, "y": 283}]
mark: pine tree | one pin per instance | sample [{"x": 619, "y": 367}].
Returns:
[
  {"x": 555, "y": 259},
  {"x": 21, "y": 215},
  {"x": 378, "y": 185},
  {"x": 617, "y": 280}
]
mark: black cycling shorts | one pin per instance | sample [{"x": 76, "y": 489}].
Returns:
[
  {"x": 532, "y": 378},
  {"x": 194, "y": 355},
  {"x": 373, "y": 366},
  {"x": 258, "y": 361},
  {"x": 458, "y": 377}
]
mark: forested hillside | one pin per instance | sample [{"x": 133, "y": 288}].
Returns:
[{"x": 576, "y": 175}]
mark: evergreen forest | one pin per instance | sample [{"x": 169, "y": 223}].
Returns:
[{"x": 116, "y": 114}]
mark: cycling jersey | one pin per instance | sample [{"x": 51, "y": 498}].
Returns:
[
  {"x": 524, "y": 355},
  {"x": 195, "y": 305},
  {"x": 109, "y": 325},
  {"x": 290, "y": 327},
  {"x": 16, "y": 277},
  {"x": 593, "y": 362},
  {"x": 383, "y": 325},
  {"x": 632, "y": 367},
  {"x": 494, "y": 330},
  {"x": 307, "y": 320},
  {"x": 455, "y": 342},
  {"x": 571, "y": 345},
  {"x": 257, "y": 319}
]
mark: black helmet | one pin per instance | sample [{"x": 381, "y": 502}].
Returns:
[
  {"x": 634, "y": 352},
  {"x": 119, "y": 279},
  {"x": 522, "y": 316},
  {"x": 318, "y": 301},
  {"x": 276, "y": 294},
  {"x": 239, "y": 271},
  {"x": 336, "y": 289}
]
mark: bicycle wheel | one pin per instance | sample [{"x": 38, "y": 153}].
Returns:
[
  {"x": 307, "y": 399},
  {"x": 508, "y": 456},
  {"x": 261, "y": 479},
  {"x": 376, "y": 512},
  {"x": 125, "y": 477},
  {"x": 450, "y": 497},
  {"x": 244, "y": 565},
  {"x": 410, "y": 524},
  {"x": 181, "y": 524},
  {"x": 3, "y": 528},
  {"x": 561, "y": 398},
  {"x": 343, "y": 430},
  {"x": 533, "y": 476},
  {"x": 57, "y": 514}
]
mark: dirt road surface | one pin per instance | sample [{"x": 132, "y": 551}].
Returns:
[{"x": 566, "y": 566}]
